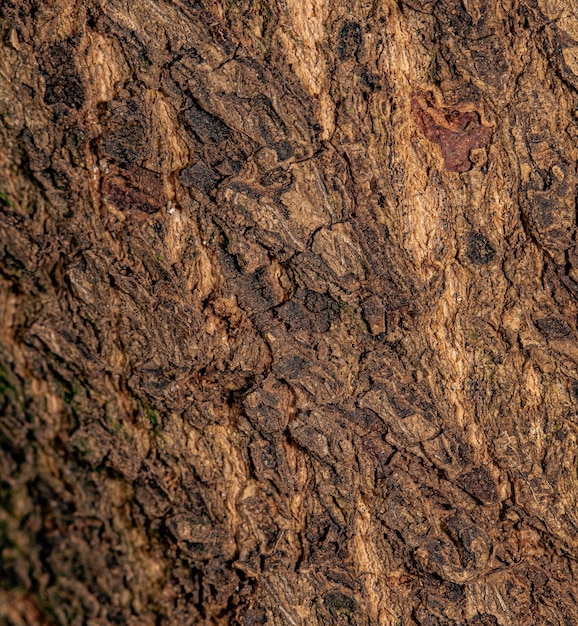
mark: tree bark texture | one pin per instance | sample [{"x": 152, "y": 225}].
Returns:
[{"x": 288, "y": 312}]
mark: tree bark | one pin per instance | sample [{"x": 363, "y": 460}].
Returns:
[{"x": 288, "y": 312}]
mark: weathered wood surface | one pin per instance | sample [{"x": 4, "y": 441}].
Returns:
[{"x": 288, "y": 306}]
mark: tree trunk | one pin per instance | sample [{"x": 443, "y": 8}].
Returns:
[{"x": 288, "y": 307}]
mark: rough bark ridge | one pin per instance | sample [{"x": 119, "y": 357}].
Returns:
[{"x": 288, "y": 306}]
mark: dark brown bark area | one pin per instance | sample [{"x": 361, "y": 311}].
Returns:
[{"x": 288, "y": 307}]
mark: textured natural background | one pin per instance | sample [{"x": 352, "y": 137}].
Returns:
[{"x": 288, "y": 298}]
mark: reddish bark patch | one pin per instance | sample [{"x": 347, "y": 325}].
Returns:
[
  {"x": 455, "y": 132},
  {"x": 135, "y": 188}
]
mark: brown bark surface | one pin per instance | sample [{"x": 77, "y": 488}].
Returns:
[{"x": 288, "y": 312}]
